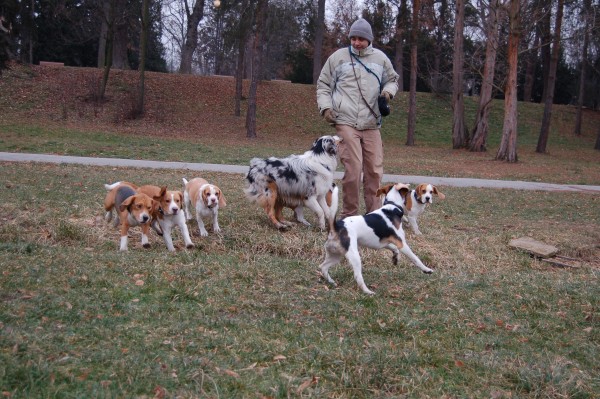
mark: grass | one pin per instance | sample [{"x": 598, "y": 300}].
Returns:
[{"x": 246, "y": 315}]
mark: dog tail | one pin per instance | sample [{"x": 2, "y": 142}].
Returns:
[
  {"x": 109, "y": 187},
  {"x": 185, "y": 182}
]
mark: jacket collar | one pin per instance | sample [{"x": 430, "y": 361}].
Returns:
[{"x": 362, "y": 53}]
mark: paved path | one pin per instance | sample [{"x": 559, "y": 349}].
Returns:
[{"x": 438, "y": 181}]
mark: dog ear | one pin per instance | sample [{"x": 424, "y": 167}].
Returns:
[
  {"x": 155, "y": 207},
  {"x": 222, "y": 202},
  {"x": 163, "y": 191},
  {"x": 383, "y": 190},
  {"x": 125, "y": 204},
  {"x": 404, "y": 192},
  {"x": 438, "y": 193}
]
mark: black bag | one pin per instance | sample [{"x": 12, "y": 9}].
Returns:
[{"x": 384, "y": 108}]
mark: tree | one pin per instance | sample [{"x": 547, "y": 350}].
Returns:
[
  {"x": 412, "y": 98},
  {"x": 460, "y": 135},
  {"x": 191, "y": 35},
  {"x": 244, "y": 32},
  {"x": 319, "y": 33},
  {"x": 545, "y": 129},
  {"x": 261, "y": 21},
  {"x": 143, "y": 46},
  {"x": 587, "y": 8},
  {"x": 478, "y": 141},
  {"x": 508, "y": 145},
  {"x": 110, "y": 18},
  {"x": 401, "y": 22}
]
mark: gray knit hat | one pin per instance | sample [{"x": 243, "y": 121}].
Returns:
[{"x": 361, "y": 28}]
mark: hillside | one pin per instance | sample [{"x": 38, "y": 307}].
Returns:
[{"x": 200, "y": 110}]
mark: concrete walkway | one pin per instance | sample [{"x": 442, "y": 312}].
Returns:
[{"x": 438, "y": 181}]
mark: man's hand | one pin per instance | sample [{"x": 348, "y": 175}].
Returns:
[
  {"x": 387, "y": 95},
  {"x": 328, "y": 116}
]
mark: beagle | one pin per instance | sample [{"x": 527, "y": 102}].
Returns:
[
  {"x": 416, "y": 202},
  {"x": 206, "y": 199},
  {"x": 134, "y": 209},
  {"x": 379, "y": 229},
  {"x": 110, "y": 200},
  {"x": 170, "y": 213}
]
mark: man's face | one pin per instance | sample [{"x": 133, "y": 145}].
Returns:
[{"x": 359, "y": 43}]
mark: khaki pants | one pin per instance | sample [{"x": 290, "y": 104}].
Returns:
[{"x": 360, "y": 151}]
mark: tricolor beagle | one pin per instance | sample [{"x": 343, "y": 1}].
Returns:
[
  {"x": 134, "y": 209},
  {"x": 416, "y": 202},
  {"x": 170, "y": 213}
]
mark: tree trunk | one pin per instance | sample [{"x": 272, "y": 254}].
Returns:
[
  {"x": 545, "y": 32},
  {"x": 261, "y": 20},
  {"x": 478, "y": 142},
  {"x": 105, "y": 11},
  {"x": 121, "y": 37},
  {"x": 460, "y": 134},
  {"x": 191, "y": 35},
  {"x": 142, "y": 66},
  {"x": 109, "y": 48},
  {"x": 597, "y": 146},
  {"x": 239, "y": 76},
  {"x": 545, "y": 129},
  {"x": 401, "y": 19},
  {"x": 320, "y": 32},
  {"x": 508, "y": 144},
  {"x": 582, "y": 73},
  {"x": 530, "y": 62},
  {"x": 412, "y": 98},
  {"x": 436, "y": 74}
]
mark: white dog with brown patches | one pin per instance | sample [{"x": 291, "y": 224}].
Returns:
[
  {"x": 206, "y": 199},
  {"x": 379, "y": 229},
  {"x": 416, "y": 203},
  {"x": 170, "y": 213}
]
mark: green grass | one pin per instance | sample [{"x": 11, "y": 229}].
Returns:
[{"x": 246, "y": 315}]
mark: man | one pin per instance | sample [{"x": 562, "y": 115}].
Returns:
[{"x": 348, "y": 88}]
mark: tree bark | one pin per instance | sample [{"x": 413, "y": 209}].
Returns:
[
  {"x": 508, "y": 144},
  {"x": 191, "y": 35},
  {"x": 401, "y": 19},
  {"x": 261, "y": 20},
  {"x": 582, "y": 71},
  {"x": 597, "y": 146},
  {"x": 412, "y": 98},
  {"x": 530, "y": 62},
  {"x": 142, "y": 66},
  {"x": 460, "y": 134},
  {"x": 120, "y": 36},
  {"x": 318, "y": 50},
  {"x": 436, "y": 74},
  {"x": 478, "y": 142},
  {"x": 104, "y": 12},
  {"x": 545, "y": 129},
  {"x": 109, "y": 48},
  {"x": 546, "y": 40}
]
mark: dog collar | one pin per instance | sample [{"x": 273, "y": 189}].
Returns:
[
  {"x": 417, "y": 198},
  {"x": 160, "y": 210}
]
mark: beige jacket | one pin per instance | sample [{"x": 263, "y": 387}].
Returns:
[{"x": 337, "y": 86}]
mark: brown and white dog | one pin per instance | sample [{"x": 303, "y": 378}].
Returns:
[
  {"x": 379, "y": 229},
  {"x": 150, "y": 192},
  {"x": 417, "y": 201},
  {"x": 134, "y": 209},
  {"x": 331, "y": 197},
  {"x": 206, "y": 199},
  {"x": 170, "y": 213}
]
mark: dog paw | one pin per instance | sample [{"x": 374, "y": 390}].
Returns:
[
  {"x": 147, "y": 245},
  {"x": 428, "y": 271},
  {"x": 190, "y": 246},
  {"x": 203, "y": 233}
]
